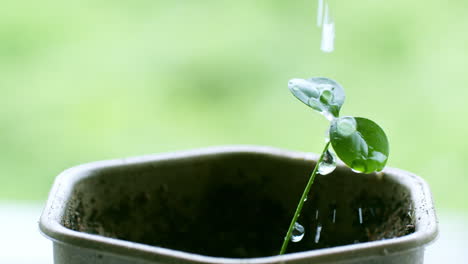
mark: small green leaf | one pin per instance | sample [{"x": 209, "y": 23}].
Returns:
[
  {"x": 321, "y": 94},
  {"x": 360, "y": 143}
]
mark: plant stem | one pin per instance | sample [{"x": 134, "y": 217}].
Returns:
[{"x": 302, "y": 201}]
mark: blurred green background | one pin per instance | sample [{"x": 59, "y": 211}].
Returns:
[{"x": 90, "y": 80}]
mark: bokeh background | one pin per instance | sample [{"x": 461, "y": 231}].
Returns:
[{"x": 90, "y": 80}]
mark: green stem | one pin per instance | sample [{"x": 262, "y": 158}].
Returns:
[{"x": 302, "y": 201}]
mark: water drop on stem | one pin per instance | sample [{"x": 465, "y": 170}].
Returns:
[
  {"x": 297, "y": 233},
  {"x": 328, "y": 163}
]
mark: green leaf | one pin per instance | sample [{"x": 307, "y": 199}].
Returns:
[
  {"x": 321, "y": 94},
  {"x": 360, "y": 143}
]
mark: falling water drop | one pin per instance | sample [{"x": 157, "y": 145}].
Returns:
[
  {"x": 316, "y": 214},
  {"x": 320, "y": 13},
  {"x": 297, "y": 233},
  {"x": 360, "y": 215},
  {"x": 317, "y": 234},
  {"x": 328, "y": 163},
  {"x": 328, "y": 32},
  {"x": 334, "y": 215}
]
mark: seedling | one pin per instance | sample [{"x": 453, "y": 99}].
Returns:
[{"x": 359, "y": 142}]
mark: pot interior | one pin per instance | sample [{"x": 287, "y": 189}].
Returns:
[{"x": 237, "y": 205}]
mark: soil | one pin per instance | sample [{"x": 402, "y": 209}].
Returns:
[{"x": 241, "y": 218}]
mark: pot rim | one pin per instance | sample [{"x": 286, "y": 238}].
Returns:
[{"x": 50, "y": 222}]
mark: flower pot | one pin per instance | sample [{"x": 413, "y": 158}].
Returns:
[{"x": 233, "y": 205}]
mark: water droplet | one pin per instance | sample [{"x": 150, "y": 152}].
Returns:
[
  {"x": 360, "y": 215},
  {"x": 305, "y": 87},
  {"x": 325, "y": 21},
  {"x": 316, "y": 214},
  {"x": 346, "y": 126},
  {"x": 334, "y": 215},
  {"x": 316, "y": 105},
  {"x": 328, "y": 32},
  {"x": 305, "y": 199},
  {"x": 360, "y": 145},
  {"x": 317, "y": 234},
  {"x": 320, "y": 13},
  {"x": 328, "y": 163},
  {"x": 358, "y": 166},
  {"x": 378, "y": 156},
  {"x": 326, "y": 97},
  {"x": 297, "y": 233}
]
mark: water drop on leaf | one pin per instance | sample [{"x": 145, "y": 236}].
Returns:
[
  {"x": 321, "y": 94},
  {"x": 346, "y": 126},
  {"x": 326, "y": 97},
  {"x": 358, "y": 166}
]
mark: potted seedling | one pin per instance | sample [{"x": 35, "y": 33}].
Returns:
[
  {"x": 234, "y": 204},
  {"x": 359, "y": 142}
]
